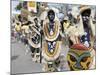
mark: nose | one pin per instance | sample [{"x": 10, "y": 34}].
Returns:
[{"x": 77, "y": 65}]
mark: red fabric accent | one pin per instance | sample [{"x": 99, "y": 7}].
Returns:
[{"x": 79, "y": 47}]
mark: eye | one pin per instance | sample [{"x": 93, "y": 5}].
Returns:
[
  {"x": 73, "y": 58},
  {"x": 84, "y": 59},
  {"x": 88, "y": 63}
]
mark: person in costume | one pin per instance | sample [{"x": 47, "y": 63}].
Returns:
[
  {"x": 35, "y": 39},
  {"x": 18, "y": 30},
  {"x": 86, "y": 17},
  {"x": 80, "y": 41},
  {"x": 52, "y": 44}
]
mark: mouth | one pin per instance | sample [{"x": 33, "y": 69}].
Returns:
[
  {"x": 78, "y": 68},
  {"x": 72, "y": 68}
]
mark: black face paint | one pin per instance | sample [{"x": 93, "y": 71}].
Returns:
[
  {"x": 51, "y": 15},
  {"x": 85, "y": 17}
]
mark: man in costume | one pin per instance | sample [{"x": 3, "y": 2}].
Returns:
[
  {"x": 81, "y": 55},
  {"x": 52, "y": 43}
]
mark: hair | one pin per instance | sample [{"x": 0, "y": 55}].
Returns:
[{"x": 87, "y": 11}]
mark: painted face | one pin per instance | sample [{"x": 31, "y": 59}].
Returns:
[
  {"x": 51, "y": 15},
  {"x": 85, "y": 16},
  {"x": 79, "y": 58}
]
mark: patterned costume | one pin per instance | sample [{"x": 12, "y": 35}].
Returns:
[
  {"x": 52, "y": 44},
  {"x": 79, "y": 57}
]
